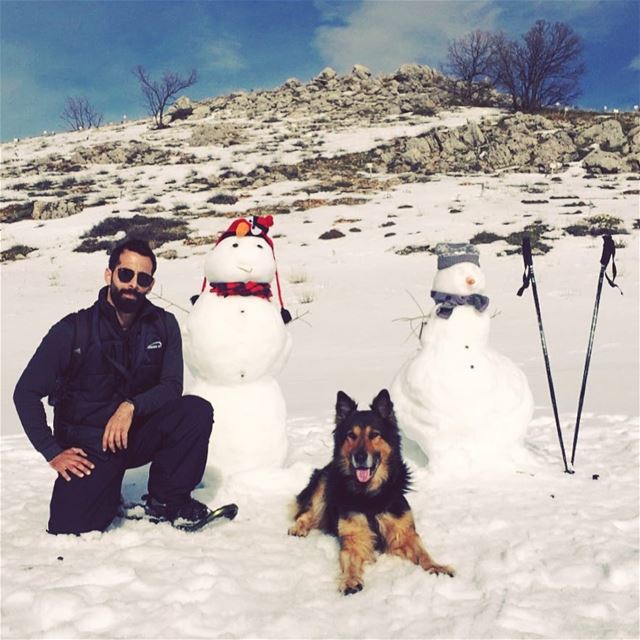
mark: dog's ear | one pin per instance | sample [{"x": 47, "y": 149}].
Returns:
[
  {"x": 344, "y": 406},
  {"x": 383, "y": 406}
]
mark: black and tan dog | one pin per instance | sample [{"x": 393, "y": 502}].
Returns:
[{"x": 359, "y": 495}]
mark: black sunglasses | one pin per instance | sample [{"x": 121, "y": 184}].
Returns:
[{"x": 126, "y": 275}]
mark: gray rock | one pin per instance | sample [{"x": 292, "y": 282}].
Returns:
[
  {"x": 360, "y": 71},
  {"x": 133, "y": 153},
  {"x": 201, "y": 111},
  {"x": 168, "y": 254},
  {"x": 417, "y": 151},
  {"x": 49, "y": 210},
  {"x": 552, "y": 151},
  {"x": 634, "y": 139},
  {"x": 16, "y": 211},
  {"x": 423, "y": 105},
  {"x": 608, "y": 134},
  {"x": 599, "y": 161},
  {"x": 326, "y": 76},
  {"x": 473, "y": 135},
  {"x": 181, "y": 109},
  {"x": 408, "y": 71}
]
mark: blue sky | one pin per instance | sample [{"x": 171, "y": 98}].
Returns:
[{"x": 53, "y": 49}]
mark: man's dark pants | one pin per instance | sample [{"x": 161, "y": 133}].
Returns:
[{"x": 175, "y": 440}]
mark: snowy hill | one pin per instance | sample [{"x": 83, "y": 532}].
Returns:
[{"x": 362, "y": 187}]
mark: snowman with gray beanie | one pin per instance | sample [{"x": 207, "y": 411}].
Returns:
[{"x": 464, "y": 405}]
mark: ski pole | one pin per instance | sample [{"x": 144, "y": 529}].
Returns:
[
  {"x": 608, "y": 252},
  {"x": 529, "y": 277}
]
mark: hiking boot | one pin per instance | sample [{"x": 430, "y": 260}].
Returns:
[{"x": 190, "y": 510}]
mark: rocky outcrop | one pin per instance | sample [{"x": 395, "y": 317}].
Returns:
[
  {"x": 611, "y": 144},
  {"x": 361, "y": 72},
  {"x": 181, "y": 109},
  {"x": 416, "y": 75},
  {"x": 607, "y": 134},
  {"x": 132, "y": 153},
  {"x": 517, "y": 142},
  {"x": 291, "y": 123},
  {"x": 16, "y": 211},
  {"x": 41, "y": 209},
  {"x": 522, "y": 142},
  {"x": 49, "y": 210},
  {"x": 326, "y": 77},
  {"x": 634, "y": 139},
  {"x": 344, "y": 100},
  {"x": 222, "y": 134},
  {"x": 599, "y": 161}
]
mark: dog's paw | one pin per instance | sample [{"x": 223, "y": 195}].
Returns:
[
  {"x": 437, "y": 569},
  {"x": 349, "y": 586},
  {"x": 299, "y": 529}
]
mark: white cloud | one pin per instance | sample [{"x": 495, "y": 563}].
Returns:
[
  {"x": 383, "y": 35},
  {"x": 224, "y": 55},
  {"x": 330, "y": 10},
  {"x": 634, "y": 65}
]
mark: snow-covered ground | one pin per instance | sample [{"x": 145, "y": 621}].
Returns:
[{"x": 538, "y": 554}]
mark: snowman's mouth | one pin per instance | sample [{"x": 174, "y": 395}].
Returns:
[{"x": 365, "y": 470}]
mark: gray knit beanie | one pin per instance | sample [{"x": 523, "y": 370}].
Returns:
[{"x": 450, "y": 253}]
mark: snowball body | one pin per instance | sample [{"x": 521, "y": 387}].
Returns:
[
  {"x": 465, "y": 405},
  {"x": 234, "y": 346}
]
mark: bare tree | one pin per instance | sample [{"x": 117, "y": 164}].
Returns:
[
  {"x": 542, "y": 69},
  {"x": 470, "y": 59},
  {"x": 160, "y": 95},
  {"x": 79, "y": 114},
  {"x": 504, "y": 70}
]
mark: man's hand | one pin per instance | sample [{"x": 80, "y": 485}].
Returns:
[
  {"x": 74, "y": 460},
  {"x": 116, "y": 433}
]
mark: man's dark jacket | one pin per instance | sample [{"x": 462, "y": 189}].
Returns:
[{"x": 143, "y": 363}]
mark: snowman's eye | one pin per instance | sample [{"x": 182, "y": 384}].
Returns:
[{"x": 235, "y": 245}]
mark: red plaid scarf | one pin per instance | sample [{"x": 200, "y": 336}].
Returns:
[{"x": 260, "y": 289}]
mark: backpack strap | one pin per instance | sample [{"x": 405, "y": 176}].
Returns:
[
  {"x": 81, "y": 340},
  {"x": 82, "y": 321}
]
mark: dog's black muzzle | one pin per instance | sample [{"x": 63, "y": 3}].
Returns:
[
  {"x": 360, "y": 458},
  {"x": 364, "y": 465}
]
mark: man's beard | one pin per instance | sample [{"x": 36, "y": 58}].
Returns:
[{"x": 126, "y": 304}]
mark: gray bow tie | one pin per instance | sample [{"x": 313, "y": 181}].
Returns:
[{"x": 448, "y": 302}]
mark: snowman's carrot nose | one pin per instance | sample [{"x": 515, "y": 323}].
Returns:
[{"x": 470, "y": 280}]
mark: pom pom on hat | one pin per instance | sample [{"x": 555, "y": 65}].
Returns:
[{"x": 450, "y": 253}]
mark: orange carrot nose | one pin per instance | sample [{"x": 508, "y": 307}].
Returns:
[{"x": 470, "y": 280}]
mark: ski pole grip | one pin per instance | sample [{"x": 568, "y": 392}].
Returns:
[
  {"x": 526, "y": 251},
  {"x": 608, "y": 249}
]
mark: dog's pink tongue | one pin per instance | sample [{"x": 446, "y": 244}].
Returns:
[{"x": 363, "y": 475}]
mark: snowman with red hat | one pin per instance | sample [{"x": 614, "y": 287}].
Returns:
[
  {"x": 466, "y": 406},
  {"x": 235, "y": 343}
]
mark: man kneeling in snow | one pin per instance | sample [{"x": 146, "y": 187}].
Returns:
[{"x": 114, "y": 375}]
